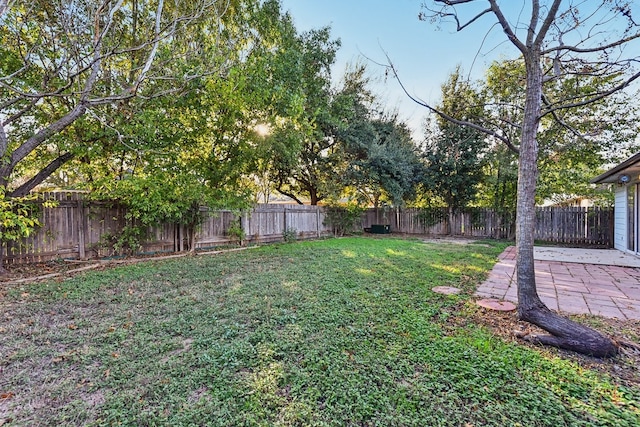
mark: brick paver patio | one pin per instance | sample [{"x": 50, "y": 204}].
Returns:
[{"x": 574, "y": 288}]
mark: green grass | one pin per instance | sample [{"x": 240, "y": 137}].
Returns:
[{"x": 341, "y": 332}]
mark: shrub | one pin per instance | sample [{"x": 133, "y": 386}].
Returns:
[
  {"x": 343, "y": 219},
  {"x": 290, "y": 235},
  {"x": 235, "y": 231}
]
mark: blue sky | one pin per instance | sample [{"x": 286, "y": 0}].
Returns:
[{"x": 423, "y": 53}]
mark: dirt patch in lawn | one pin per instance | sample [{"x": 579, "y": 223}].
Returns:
[
  {"x": 59, "y": 270},
  {"x": 22, "y": 271}
]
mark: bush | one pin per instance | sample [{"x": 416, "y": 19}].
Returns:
[
  {"x": 19, "y": 217},
  {"x": 343, "y": 219},
  {"x": 235, "y": 231},
  {"x": 290, "y": 235}
]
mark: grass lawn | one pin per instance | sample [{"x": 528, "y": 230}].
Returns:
[{"x": 340, "y": 332}]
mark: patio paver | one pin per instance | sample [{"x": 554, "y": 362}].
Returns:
[{"x": 570, "y": 282}]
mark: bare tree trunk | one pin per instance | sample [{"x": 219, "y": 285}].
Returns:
[
  {"x": 527, "y": 177},
  {"x": 192, "y": 238},
  {"x": 564, "y": 332}
]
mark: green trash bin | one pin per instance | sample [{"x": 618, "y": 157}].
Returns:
[{"x": 380, "y": 228}]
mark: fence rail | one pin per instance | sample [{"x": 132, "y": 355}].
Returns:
[{"x": 79, "y": 229}]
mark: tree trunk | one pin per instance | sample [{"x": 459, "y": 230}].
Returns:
[
  {"x": 191, "y": 230},
  {"x": 527, "y": 177},
  {"x": 2, "y": 269},
  {"x": 313, "y": 195},
  {"x": 564, "y": 332}
]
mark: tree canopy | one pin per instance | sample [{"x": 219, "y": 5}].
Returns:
[{"x": 454, "y": 154}]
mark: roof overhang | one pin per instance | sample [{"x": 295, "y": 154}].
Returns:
[{"x": 630, "y": 167}]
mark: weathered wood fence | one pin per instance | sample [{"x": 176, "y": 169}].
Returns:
[
  {"x": 575, "y": 226},
  {"x": 78, "y": 229},
  {"x": 434, "y": 221}
]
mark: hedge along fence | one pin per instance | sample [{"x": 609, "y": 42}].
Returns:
[{"x": 82, "y": 229}]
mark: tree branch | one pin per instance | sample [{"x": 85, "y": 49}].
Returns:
[
  {"x": 30, "y": 144},
  {"x": 19, "y": 114},
  {"x": 504, "y": 23},
  {"x": 454, "y": 2},
  {"x": 548, "y": 21},
  {"x": 594, "y": 98},
  {"x": 290, "y": 195},
  {"x": 447, "y": 117},
  {"x": 533, "y": 22},
  {"x": 600, "y": 48},
  {"x": 559, "y": 120},
  {"x": 45, "y": 173},
  {"x": 460, "y": 27}
]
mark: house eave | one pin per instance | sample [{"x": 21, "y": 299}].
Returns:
[{"x": 630, "y": 167}]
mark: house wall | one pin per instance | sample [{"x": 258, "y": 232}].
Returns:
[{"x": 620, "y": 233}]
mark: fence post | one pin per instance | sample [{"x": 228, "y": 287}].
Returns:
[
  {"x": 246, "y": 226},
  {"x": 284, "y": 218},
  {"x": 81, "y": 228}
]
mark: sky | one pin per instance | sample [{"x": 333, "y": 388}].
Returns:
[{"x": 423, "y": 54}]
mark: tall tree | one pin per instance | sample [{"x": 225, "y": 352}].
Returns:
[
  {"x": 383, "y": 161},
  {"x": 308, "y": 160},
  {"x": 559, "y": 39},
  {"x": 176, "y": 154},
  {"x": 453, "y": 153}
]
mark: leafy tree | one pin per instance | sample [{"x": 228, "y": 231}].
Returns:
[
  {"x": 454, "y": 154},
  {"x": 94, "y": 82},
  {"x": 556, "y": 43},
  {"x": 64, "y": 59},
  {"x": 178, "y": 154},
  {"x": 336, "y": 143},
  {"x": 303, "y": 154},
  {"x": 498, "y": 188},
  {"x": 574, "y": 143},
  {"x": 383, "y": 162}
]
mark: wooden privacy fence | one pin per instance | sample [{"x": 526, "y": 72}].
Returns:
[
  {"x": 78, "y": 229},
  {"x": 434, "y": 221},
  {"x": 575, "y": 226},
  {"x": 562, "y": 225}
]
